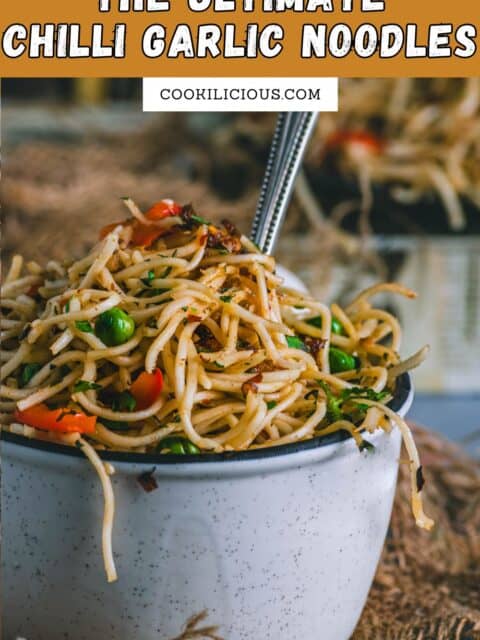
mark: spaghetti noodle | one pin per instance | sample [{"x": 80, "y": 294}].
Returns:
[
  {"x": 176, "y": 336},
  {"x": 415, "y": 136}
]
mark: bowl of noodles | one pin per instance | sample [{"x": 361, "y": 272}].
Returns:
[{"x": 246, "y": 439}]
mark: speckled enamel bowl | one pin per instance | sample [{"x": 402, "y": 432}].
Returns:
[{"x": 277, "y": 544}]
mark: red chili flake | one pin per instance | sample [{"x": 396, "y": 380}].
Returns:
[
  {"x": 231, "y": 228},
  {"x": 232, "y": 244},
  {"x": 147, "y": 481},
  {"x": 221, "y": 239},
  {"x": 33, "y": 291},
  {"x": 314, "y": 345},
  {"x": 252, "y": 384},
  {"x": 186, "y": 215},
  {"x": 193, "y": 318},
  {"x": 232, "y": 282},
  {"x": 206, "y": 339},
  {"x": 266, "y": 365}
]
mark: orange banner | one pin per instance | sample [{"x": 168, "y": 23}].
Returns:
[{"x": 240, "y": 38}]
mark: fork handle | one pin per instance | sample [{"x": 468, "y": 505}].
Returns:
[{"x": 290, "y": 140}]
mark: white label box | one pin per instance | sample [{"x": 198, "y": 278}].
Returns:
[{"x": 240, "y": 94}]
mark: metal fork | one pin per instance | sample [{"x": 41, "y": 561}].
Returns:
[{"x": 290, "y": 139}]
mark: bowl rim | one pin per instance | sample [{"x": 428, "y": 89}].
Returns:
[{"x": 401, "y": 399}]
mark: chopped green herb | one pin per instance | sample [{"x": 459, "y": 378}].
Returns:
[
  {"x": 67, "y": 307},
  {"x": 294, "y": 342},
  {"x": 27, "y": 372},
  {"x": 226, "y": 298},
  {"x": 150, "y": 276},
  {"x": 199, "y": 219},
  {"x": 219, "y": 365},
  {"x": 361, "y": 406},
  {"x": 124, "y": 401},
  {"x": 150, "y": 293},
  {"x": 85, "y": 385},
  {"x": 334, "y": 403},
  {"x": 223, "y": 252},
  {"x": 365, "y": 392},
  {"x": 84, "y": 325},
  {"x": 116, "y": 425},
  {"x": 271, "y": 404},
  {"x": 167, "y": 272}
]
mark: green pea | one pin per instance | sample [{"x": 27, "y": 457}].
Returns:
[
  {"x": 178, "y": 445},
  {"x": 294, "y": 342},
  {"x": 341, "y": 361},
  {"x": 177, "y": 448},
  {"x": 114, "y": 327},
  {"x": 337, "y": 326}
]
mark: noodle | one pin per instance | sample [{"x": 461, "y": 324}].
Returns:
[
  {"x": 415, "y": 137},
  {"x": 133, "y": 357}
]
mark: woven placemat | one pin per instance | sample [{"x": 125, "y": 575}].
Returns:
[{"x": 427, "y": 585}]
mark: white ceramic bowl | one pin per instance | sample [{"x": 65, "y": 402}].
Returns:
[{"x": 279, "y": 543}]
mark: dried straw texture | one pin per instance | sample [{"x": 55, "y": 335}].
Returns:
[
  {"x": 56, "y": 192},
  {"x": 428, "y": 584}
]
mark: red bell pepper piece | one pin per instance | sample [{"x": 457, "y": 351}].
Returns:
[
  {"x": 362, "y": 138},
  {"x": 61, "y": 420},
  {"x": 146, "y": 388},
  {"x": 144, "y": 235},
  {"x": 163, "y": 209}
]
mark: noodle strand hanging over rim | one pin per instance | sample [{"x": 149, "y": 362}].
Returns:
[{"x": 174, "y": 335}]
